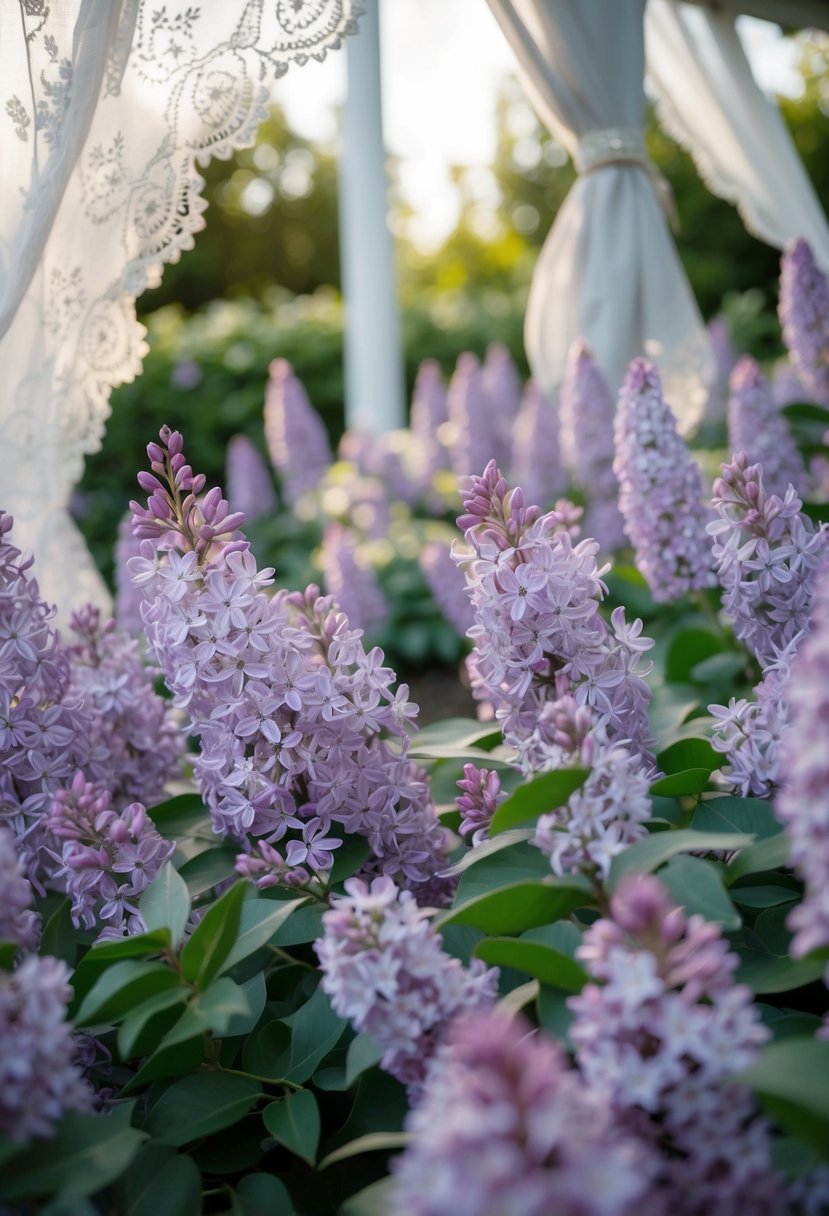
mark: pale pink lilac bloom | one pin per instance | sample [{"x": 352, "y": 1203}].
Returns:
[
  {"x": 756, "y": 427},
  {"x": 661, "y": 490},
  {"x": 351, "y": 580},
  {"x": 297, "y": 441},
  {"x": 384, "y": 968},
  {"x": 766, "y": 555},
  {"x": 505, "y": 1125},
  {"x": 804, "y": 315},
  {"x": 658, "y": 1034},
  {"x": 535, "y": 459},
  {"x": 249, "y": 483}
]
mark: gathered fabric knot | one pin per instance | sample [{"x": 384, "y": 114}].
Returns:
[{"x": 606, "y": 146}]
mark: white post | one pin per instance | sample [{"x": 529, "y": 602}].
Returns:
[{"x": 374, "y": 384}]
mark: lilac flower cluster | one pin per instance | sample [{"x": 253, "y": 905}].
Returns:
[
  {"x": 249, "y": 482},
  {"x": 609, "y": 812},
  {"x": 756, "y": 427},
  {"x": 766, "y": 554},
  {"x": 384, "y": 969},
  {"x": 39, "y": 1078},
  {"x": 658, "y": 1038},
  {"x": 748, "y": 733},
  {"x": 475, "y": 429},
  {"x": 479, "y": 799},
  {"x": 538, "y": 633},
  {"x": 128, "y": 598},
  {"x": 351, "y": 582},
  {"x": 108, "y": 858},
  {"x": 535, "y": 461},
  {"x": 725, "y": 356},
  {"x": 502, "y": 386},
  {"x": 296, "y": 438},
  {"x": 786, "y": 385},
  {"x": 291, "y": 711},
  {"x": 804, "y": 315},
  {"x": 660, "y": 489},
  {"x": 18, "y": 922},
  {"x": 505, "y": 1125},
  {"x": 447, "y": 585},
  {"x": 587, "y": 414},
  {"x": 803, "y": 801},
  {"x": 429, "y": 413}
]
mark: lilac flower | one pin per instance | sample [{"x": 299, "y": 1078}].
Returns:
[
  {"x": 804, "y": 315},
  {"x": 756, "y": 427},
  {"x": 480, "y": 797},
  {"x": 502, "y": 385},
  {"x": 108, "y": 859},
  {"x": 725, "y": 356},
  {"x": 803, "y": 800},
  {"x": 535, "y": 460},
  {"x": 384, "y": 969},
  {"x": 786, "y": 386},
  {"x": 249, "y": 484},
  {"x": 587, "y": 412},
  {"x": 39, "y": 1078},
  {"x": 429, "y": 408},
  {"x": 475, "y": 430},
  {"x": 351, "y": 581},
  {"x": 505, "y": 1125},
  {"x": 538, "y": 633},
  {"x": 661, "y": 490},
  {"x": 447, "y": 585},
  {"x": 766, "y": 554},
  {"x": 658, "y": 1037},
  {"x": 296, "y": 438},
  {"x": 128, "y": 596},
  {"x": 18, "y": 923}
]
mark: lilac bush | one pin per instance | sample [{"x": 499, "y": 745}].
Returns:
[
  {"x": 535, "y": 459},
  {"x": 296, "y": 438},
  {"x": 756, "y": 427},
  {"x": 351, "y": 582},
  {"x": 804, "y": 315},
  {"x": 473, "y": 418}
]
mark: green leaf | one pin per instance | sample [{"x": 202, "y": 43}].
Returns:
[
  {"x": 790, "y": 1080},
  {"x": 267, "y": 1053},
  {"x": 86, "y": 1153},
  {"x": 180, "y": 816},
  {"x": 169, "y": 1060},
  {"x": 140, "y": 944},
  {"x": 214, "y": 937},
  {"x": 363, "y": 1053},
  {"x": 162, "y": 1186},
  {"x": 731, "y": 814},
  {"x": 295, "y": 1123},
  {"x": 767, "y": 854},
  {"x": 546, "y": 964},
  {"x": 696, "y": 885},
  {"x": 374, "y": 1142},
  {"x": 207, "y": 869},
  {"x": 679, "y": 785},
  {"x": 518, "y": 998},
  {"x": 255, "y": 993},
  {"x": 537, "y": 797},
  {"x": 263, "y": 1195},
  {"x": 258, "y": 922},
  {"x": 144, "y": 1027},
  {"x": 649, "y": 854},
  {"x": 200, "y": 1104},
  {"x": 762, "y": 896},
  {"x": 521, "y": 905},
  {"x": 374, "y": 1200},
  {"x": 554, "y": 1014},
  {"x": 459, "y": 733},
  {"x": 315, "y": 1029},
  {"x": 166, "y": 903},
  {"x": 688, "y": 754},
  {"x": 59, "y": 934},
  {"x": 305, "y": 925},
  {"x": 349, "y": 858},
  {"x": 121, "y": 987},
  {"x": 767, "y": 973},
  {"x": 688, "y": 648},
  {"x": 669, "y": 708},
  {"x": 488, "y": 848},
  {"x": 719, "y": 669},
  {"x": 218, "y": 1006},
  {"x": 513, "y": 864}
]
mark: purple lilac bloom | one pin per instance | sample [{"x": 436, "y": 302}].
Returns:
[
  {"x": 502, "y": 385},
  {"x": 803, "y": 800},
  {"x": 535, "y": 462},
  {"x": 249, "y": 483},
  {"x": 766, "y": 554},
  {"x": 505, "y": 1125},
  {"x": 384, "y": 968},
  {"x": 660, "y": 490},
  {"x": 609, "y": 812},
  {"x": 725, "y": 356},
  {"x": 587, "y": 412},
  {"x": 657, "y": 1037},
  {"x": 447, "y": 585},
  {"x": 756, "y": 427},
  {"x": 294, "y": 716},
  {"x": 429, "y": 409},
  {"x": 538, "y": 633},
  {"x": 128, "y": 597},
  {"x": 471, "y": 414},
  {"x": 18, "y": 922},
  {"x": 296, "y": 438},
  {"x": 108, "y": 858},
  {"x": 786, "y": 386},
  {"x": 748, "y": 733},
  {"x": 359, "y": 500},
  {"x": 39, "y": 1078},
  {"x": 352, "y": 582},
  {"x": 804, "y": 315},
  {"x": 479, "y": 799}
]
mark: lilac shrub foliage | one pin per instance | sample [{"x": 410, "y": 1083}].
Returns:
[
  {"x": 804, "y": 315},
  {"x": 385, "y": 969},
  {"x": 767, "y": 554},
  {"x": 291, "y": 712},
  {"x": 296, "y": 438},
  {"x": 660, "y": 489},
  {"x": 756, "y": 427},
  {"x": 658, "y": 1037},
  {"x": 505, "y": 1125}
]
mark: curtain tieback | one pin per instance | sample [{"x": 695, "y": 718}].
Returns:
[{"x": 624, "y": 146}]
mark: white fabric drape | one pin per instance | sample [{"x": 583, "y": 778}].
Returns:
[
  {"x": 710, "y": 102},
  {"x": 609, "y": 271},
  {"x": 106, "y": 108}
]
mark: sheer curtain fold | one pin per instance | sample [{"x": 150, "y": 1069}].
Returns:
[{"x": 107, "y": 107}]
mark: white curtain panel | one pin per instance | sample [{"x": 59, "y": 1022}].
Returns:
[
  {"x": 609, "y": 270},
  {"x": 107, "y": 107},
  {"x": 710, "y": 102}
]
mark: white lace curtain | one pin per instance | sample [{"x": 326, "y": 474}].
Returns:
[{"x": 107, "y": 107}]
